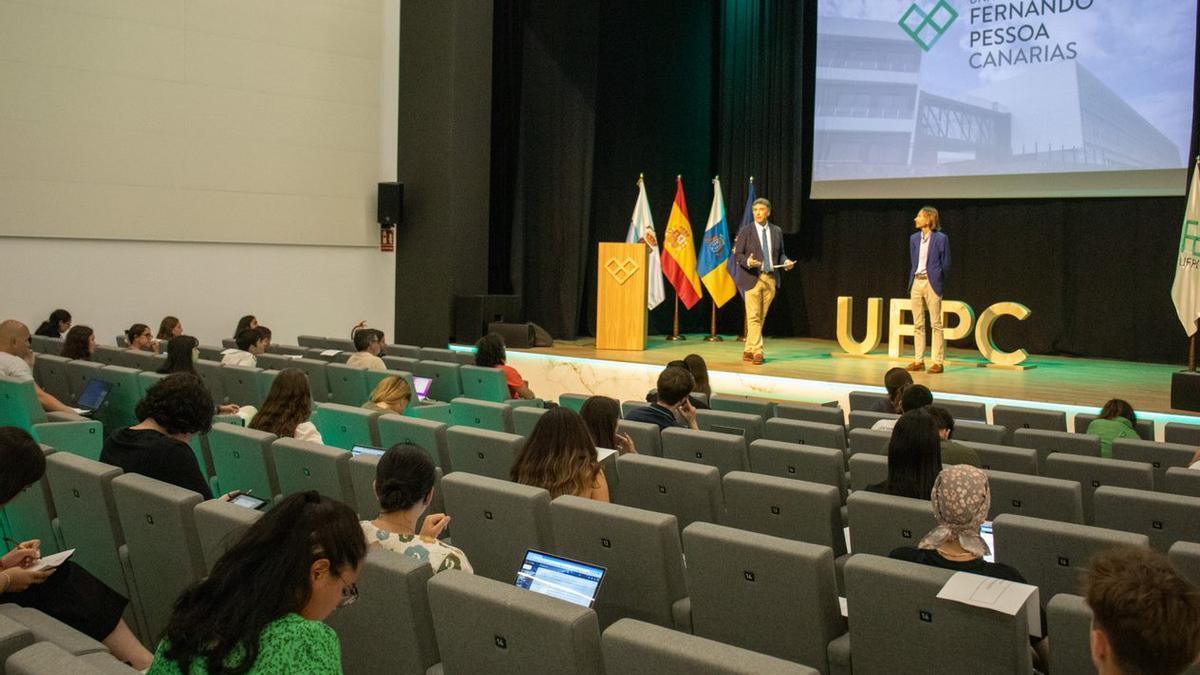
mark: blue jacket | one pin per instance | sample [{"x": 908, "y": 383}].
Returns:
[
  {"x": 747, "y": 243},
  {"x": 937, "y": 262}
]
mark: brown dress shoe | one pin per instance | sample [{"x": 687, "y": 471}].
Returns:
[
  {"x": 915, "y": 366},
  {"x": 935, "y": 369},
  {"x": 758, "y": 359},
  {"x": 747, "y": 356}
]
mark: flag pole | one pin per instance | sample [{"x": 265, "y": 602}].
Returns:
[
  {"x": 1192, "y": 349},
  {"x": 712, "y": 336},
  {"x": 745, "y": 318},
  {"x": 675, "y": 332}
]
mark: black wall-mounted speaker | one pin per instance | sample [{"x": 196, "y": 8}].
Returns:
[{"x": 390, "y": 208}]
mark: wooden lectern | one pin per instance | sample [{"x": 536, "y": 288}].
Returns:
[{"x": 621, "y": 296}]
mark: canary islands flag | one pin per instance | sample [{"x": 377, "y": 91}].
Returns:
[
  {"x": 679, "y": 251},
  {"x": 714, "y": 251}
]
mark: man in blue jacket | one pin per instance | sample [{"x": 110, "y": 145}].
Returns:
[{"x": 929, "y": 252}]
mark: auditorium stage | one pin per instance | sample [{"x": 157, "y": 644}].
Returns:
[{"x": 804, "y": 369}]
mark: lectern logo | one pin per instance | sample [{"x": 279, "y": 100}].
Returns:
[
  {"x": 926, "y": 28},
  {"x": 621, "y": 270}
]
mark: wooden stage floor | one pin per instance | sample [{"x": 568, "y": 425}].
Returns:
[{"x": 1055, "y": 379}]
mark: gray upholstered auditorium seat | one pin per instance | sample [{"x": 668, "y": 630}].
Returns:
[
  {"x": 799, "y": 462},
  {"x": 1144, "y": 427},
  {"x": 691, "y": 492},
  {"x": 310, "y": 341},
  {"x": 426, "y": 434},
  {"x": 242, "y": 460},
  {"x": 785, "y": 508},
  {"x": 646, "y": 436},
  {"x": 48, "y": 658},
  {"x": 899, "y": 625},
  {"x": 748, "y": 426},
  {"x": 446, "y": 384},
  {"x": 1051, "y": 554},
  {"x": 318, "y": 377},
  {"x": 1005, "y": 457},
  {"x": 743, "y": 404},
  {"x": 487, "y": 626},
  {"x": 105, "y": 355},
  {"x": 1182, "y": 482},
  {"x": 634, "y": 647},
  {"x": 374, "y": 377},
  {"x": 210, "y": 373},
  {"x": 1046, "y": 442},
  {"x": 1018, "y": 417},
  {"x": 119, "y": 409},
  {"x": 46, "y": 629},
  {"x": 213, "y": 353},
  {"x": 865, "y": 419},
  {"x": 344, "y": 344},
  {"x": 629, "y": 406},
  {"x": 285, "y": 350},
  {"x": 1185, "y": 434},
  {"x": 147, "y": 380},
  {"x": 496, "y": 521},
  {"x": 484, "y": 384},
  {"x": 347, "y": 385},
  {"x": 525, "y": 418},
  {"x": 161, "y": 543},
  {"x": 573, "y": 401},
  {"x": 1093, "y": 472},
  {"x": 401, "y": 363},
  {"x": 881, "y": 523},
  {"x": 962, "y": 410},
  {"x": 727, "y": 452},
  {"x": 303, "y": 465},
  {"x": 870, "y": 441},
  {"x": 1161, "y": 456},
  {"x": 978, "y": 432},
  {"x": 30, "y": 514},
  {"x": 405, "y": 351},
  {"x": 78, "y": 374},
  {"x": 867, "y": 469},
  {"x": 438, "y": 354},
  {"x": 762, "y": 593},
  {"x": 800, "y": 432},
  {"x": 50, "y": 371},
  {"x": 1035, "y": 496},
  {"x": 390, "y": 628},
  {"x": 1070, "y": 620},
  {"x": 345, "y": 426},
  {"x": 14, "y": 637},
  {"x": 865, "y": 400},
  {"x": 640, "y": 549},
  {"x": 219, "y": 524},
  {"x": 811, "y": 412},
  {"x": 482, "y": 451},
  {"x": 44, "y": 344},
  {"x": 1185, "y": 557},
  {"x": 1164, "y": 518},
  {"x": 479, "y": 414}
]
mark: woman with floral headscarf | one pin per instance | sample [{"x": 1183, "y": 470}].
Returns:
[{"x": 961, "y": 498}]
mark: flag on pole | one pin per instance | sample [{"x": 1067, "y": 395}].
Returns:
[
  {"x": 714, "y": 251},
  {"x": 641, "y": 228},
  {"x": 747, "y": 218},
  {"x": 1186, "y": 289},
  {"x": 679, "y": 251}
]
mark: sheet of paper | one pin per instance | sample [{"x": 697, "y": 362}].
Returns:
[
  {"x": 53, "y": 560},
  {"x": 844, "y": 607},
  {"x": 999, "y": 595},
  {"x": 331, "y": 352},
  {"x": 603, "y": 454}
]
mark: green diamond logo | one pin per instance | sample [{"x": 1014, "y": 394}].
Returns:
[
  {"x": 1189, "y": 244},
  {"x": 926, "y": 28}
]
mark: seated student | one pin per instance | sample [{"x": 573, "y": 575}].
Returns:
[
  {"x": 952, "y": 452},
  {"x": 489, "y": 353},
  {"x": 288, "y": 407},
  {"x": 601, "y": 414},
  {"x": 170, "y": 327},
  {"x": 699, "y": 370},
  {"x": 250, "y": 343},
  {"x": 173, "y": 410},
  {"x": 262, "y": 607},
  {"x": 369, "y": 343},
  {"x": 914, "y": 457},
  {"x": 1145, "y": 617},
  {"x": 893, "y": 380},
  {"x": 559, "y": 456},
  {"x": 673, "y": 387},
  {"x": 16, "y": 361},
  {"x": 58, "y": 323},
  {"x": 911, "y": 396},
  {"x": 140, "y": 339},
  {"x": 392, "y": 394},
  {"x": 79, "y": 344},
  {"x": 1116, "y": 420},
  {"x": 67, "y": 593},
  {"x": 182, "y": 353},
  {"x": 266, "y": 334},
  {"x": 404, "y": 486},
  {"x": 243, "y": 323}
]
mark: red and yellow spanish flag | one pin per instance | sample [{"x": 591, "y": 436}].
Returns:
[{"x": 679, "y": 251}]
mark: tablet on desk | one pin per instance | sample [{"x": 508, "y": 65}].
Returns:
[
  {"x": 366, "y": 450},
  {"x": 248, "y": 501}
]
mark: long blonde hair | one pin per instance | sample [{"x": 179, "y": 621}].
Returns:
[
  {"x": 390, "y": 390},
  {"x": 559, "y": 455},
  {"x": 935, "y": 220}
]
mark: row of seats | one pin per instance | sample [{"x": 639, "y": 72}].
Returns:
[{"x": 32, "y": 643}]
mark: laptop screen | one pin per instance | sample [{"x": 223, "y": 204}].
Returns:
[
  {"x": 422, "y": 385},
  {"x": 366, "y": 450},
  {"x": 985, "y": 531},
  {"x": 560, "y": 578},
  {"x": 94, "y": 393}
]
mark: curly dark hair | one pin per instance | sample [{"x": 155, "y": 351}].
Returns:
[
  {"x": 23, "y": 461},
  {"x": 180, "y": 404},
  {"x": 489, "y": 351}
]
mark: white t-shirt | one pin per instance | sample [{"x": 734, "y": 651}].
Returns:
[
  {"x": 15, "y": 366},
  {"x": 238, "y": 357},
  {"x": 883, "y": 425},
  {"x": 307, "y": 431}
]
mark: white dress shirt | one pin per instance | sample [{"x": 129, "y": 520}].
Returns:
[{"x": 924, "y": 255}]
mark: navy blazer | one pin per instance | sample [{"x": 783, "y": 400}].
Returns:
[
  {"x": 937, "y": 261},
  {"x": 746, "y": 243}
]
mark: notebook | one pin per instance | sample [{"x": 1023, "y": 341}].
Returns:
[
  {"x": 93, "y": 395},
  {"x": 422, "y": 385},
  {"x": 561, "y": 578}
]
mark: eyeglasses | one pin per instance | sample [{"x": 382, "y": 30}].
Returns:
[{"x": 349, "y": 595}]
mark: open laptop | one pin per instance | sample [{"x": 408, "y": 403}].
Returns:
[
  {"x": 422, "y": 385},
  {"x": 985, "y": 532},
  {"x": 93, "y": 395},
  {"x": 366, "y": 450},
  {"x": 559, "y": 577}
]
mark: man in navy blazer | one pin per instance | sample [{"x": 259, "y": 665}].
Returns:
[
  {"x": 757, "y": 273},
  {"x": 929, "y": 252}
]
